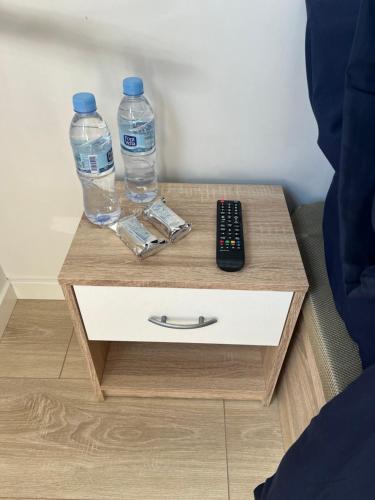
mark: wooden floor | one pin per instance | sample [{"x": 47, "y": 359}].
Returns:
[{"x": 56, "y": 442}]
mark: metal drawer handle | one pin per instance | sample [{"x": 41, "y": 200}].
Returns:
[{"x": 162, "y": 321}]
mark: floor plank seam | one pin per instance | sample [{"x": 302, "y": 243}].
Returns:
[
  {"x": 66, "y": 354},
  {"x": 226, "y": 448}
]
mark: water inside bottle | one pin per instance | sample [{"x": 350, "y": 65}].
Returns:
[{"x": 140, "y": 178}]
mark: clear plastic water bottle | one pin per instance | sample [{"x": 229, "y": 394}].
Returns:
[
  {"x": 137, "y": 137},
  {"x": 91, "y": 142}
]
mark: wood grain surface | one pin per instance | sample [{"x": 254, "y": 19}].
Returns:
[
  {"x": 273, "y": 262},
  {"x": 36, "y": 339},
  {"x": 97, "y": 257},
  {"x": 55, "y": 443},
  {"x": 274, "y": 356},
  {"x": 95, "y": 353},
  {"x": 254, "y": 445},
  {"x": 74, "y": 364},
  {"x": 300, "y": 391},
  {"x": 184, "y": 370},
  {"x": 58, "y": 443}
]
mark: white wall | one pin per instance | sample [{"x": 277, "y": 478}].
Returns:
[{"x": 227, "y": 81}]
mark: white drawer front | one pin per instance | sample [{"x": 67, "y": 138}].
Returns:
[{"x": 243, "y": 317}]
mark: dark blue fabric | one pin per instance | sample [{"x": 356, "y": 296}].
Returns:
[
  {"x": 334, "y": 459},
  {"x": 329, "y": 36},
  {"x": 357, "y": 162},
  {"x": 358, "y": 314},
  {"x": 339, "y": 42}
]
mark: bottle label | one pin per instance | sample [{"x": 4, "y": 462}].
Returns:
[
  {"x": 94, "y": 163},
  {"x": 137, "y": 137}
]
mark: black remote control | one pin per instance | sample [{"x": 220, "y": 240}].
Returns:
[{"x": 230, "y": 251}]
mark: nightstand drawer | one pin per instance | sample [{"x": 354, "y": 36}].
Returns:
[{"x": 208, "y": 316}]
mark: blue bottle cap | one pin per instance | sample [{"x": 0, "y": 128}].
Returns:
[
  {"x": 84, "y": 102},
  {"x": 132, "y": 86}
]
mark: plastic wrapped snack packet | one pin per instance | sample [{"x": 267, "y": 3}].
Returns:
[
  {"x": 137, "y": 237},
  {"x": 167, "y": 221}
]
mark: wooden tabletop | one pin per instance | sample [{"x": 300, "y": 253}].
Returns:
[{"x": 98, "y": 257}]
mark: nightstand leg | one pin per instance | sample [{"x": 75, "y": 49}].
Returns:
[
  {"x": 274, "y": 356},
  {"x": 94, "y": 352}
]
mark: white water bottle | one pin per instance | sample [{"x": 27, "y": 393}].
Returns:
[{"x": 136, "y": 124}]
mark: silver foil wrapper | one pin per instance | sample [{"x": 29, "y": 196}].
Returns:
[
  {"x": 166, "y": 220},
  {"x": 137, "y": 237}
]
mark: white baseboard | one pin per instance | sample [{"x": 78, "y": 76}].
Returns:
[
  {"x": 8, "y": 300},
  {"x": 37, "y": 289}
]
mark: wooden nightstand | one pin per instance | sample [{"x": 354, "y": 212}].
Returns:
[{"x": 111, "y": 296}]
